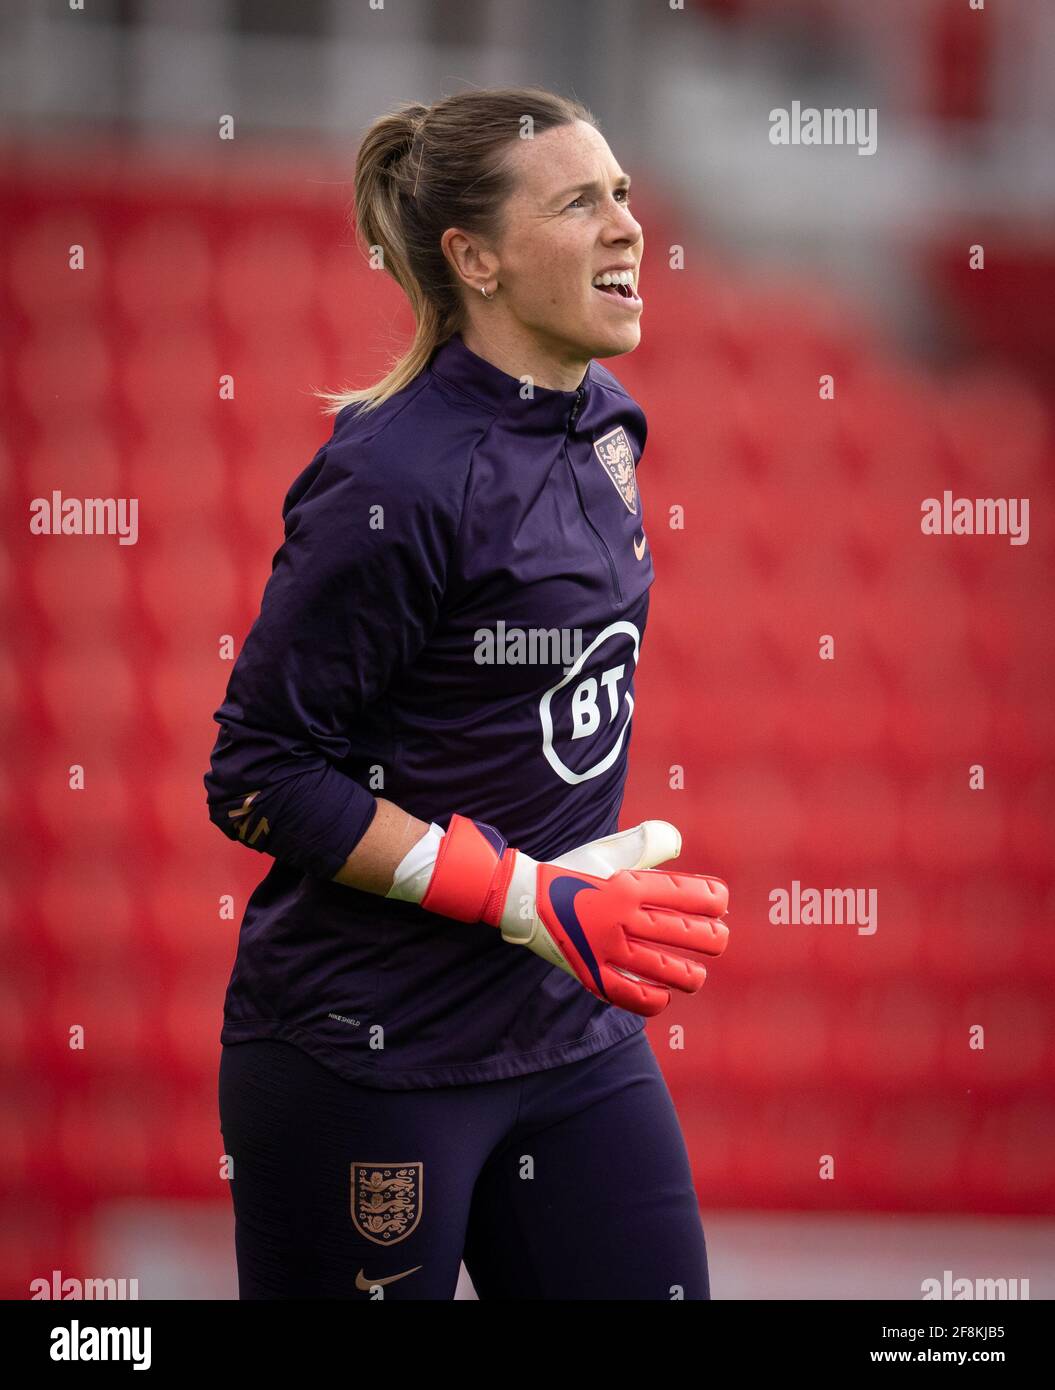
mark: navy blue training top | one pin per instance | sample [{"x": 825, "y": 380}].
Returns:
[{"x": 452, "y": 622}]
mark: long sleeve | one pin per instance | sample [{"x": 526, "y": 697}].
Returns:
[{"x": 354, "y": 592}]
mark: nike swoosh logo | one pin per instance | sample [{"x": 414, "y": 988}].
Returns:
[
  {"x": 639, "y": 550},
  {"x": 562, "y": 895},
  {"x": 362, "y": 1282}
]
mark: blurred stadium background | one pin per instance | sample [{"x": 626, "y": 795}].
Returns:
[{"x": 206, "y": 257}]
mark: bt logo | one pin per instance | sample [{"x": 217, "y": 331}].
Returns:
[{"x": 585, "y": 716}]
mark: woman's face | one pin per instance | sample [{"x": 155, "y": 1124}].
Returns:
[{"x": 567, "y": 220}]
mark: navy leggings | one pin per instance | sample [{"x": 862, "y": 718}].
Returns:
[{"x": 571, "y": 1183}]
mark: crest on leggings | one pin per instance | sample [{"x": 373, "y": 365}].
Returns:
[
  {"x": 386, "y": 1200},
  {"x": 617, "y": 459}
]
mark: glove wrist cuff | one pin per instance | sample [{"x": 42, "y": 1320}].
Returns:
[
  {"x": 472, "y": 873},
  {"x": 495, "y": 903}
]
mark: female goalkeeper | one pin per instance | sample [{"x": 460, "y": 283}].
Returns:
[{"x": 433, "y": 1044}]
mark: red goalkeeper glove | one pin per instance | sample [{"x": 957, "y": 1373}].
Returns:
[{"x": 627, "y": 932}]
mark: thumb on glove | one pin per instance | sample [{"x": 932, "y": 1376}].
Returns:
[{"x": 642, "y": 847}]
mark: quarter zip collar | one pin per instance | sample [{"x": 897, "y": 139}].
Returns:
[{"x": 545, "y": 412}]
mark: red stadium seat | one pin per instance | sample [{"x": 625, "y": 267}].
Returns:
[
  {"x": 170, "y": 378},
  {"x": 248, "y": 292},
  {"x": 922, "y": 1143},
  {"x": 92, "y": 698},
  {"x": 1009, "y": 1154},
  {"x": 947, "y": 826},
  {"x": 188, "y": 586},
  {"x": 98, "y": 815},
  {"x": 103, "y": 1147},
  {"x": 41, "y": 241},
  {"x": 88, "y": 908},
  {"x": 179, "y": 242}
]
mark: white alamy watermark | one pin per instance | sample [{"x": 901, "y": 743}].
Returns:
[
  {"x": 827, "y": 907},
  {"x": 85, "y": 516},
  {"x": 527, "y": 646},
  {"x": 949, "y": 1286},
  {"x": 828, "y": 125},
  {"x": 77, "y": 1343},
  {"x": 976, "y": 516},
  {"x": 61, "y": 1285}
]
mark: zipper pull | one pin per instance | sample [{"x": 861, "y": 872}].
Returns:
[{"x": 576, "y": 409}]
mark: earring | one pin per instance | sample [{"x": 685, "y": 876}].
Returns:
[{"x": 483, "y": 291}]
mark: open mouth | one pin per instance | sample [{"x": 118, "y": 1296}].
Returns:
[{"x": 618, "y": 292}]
